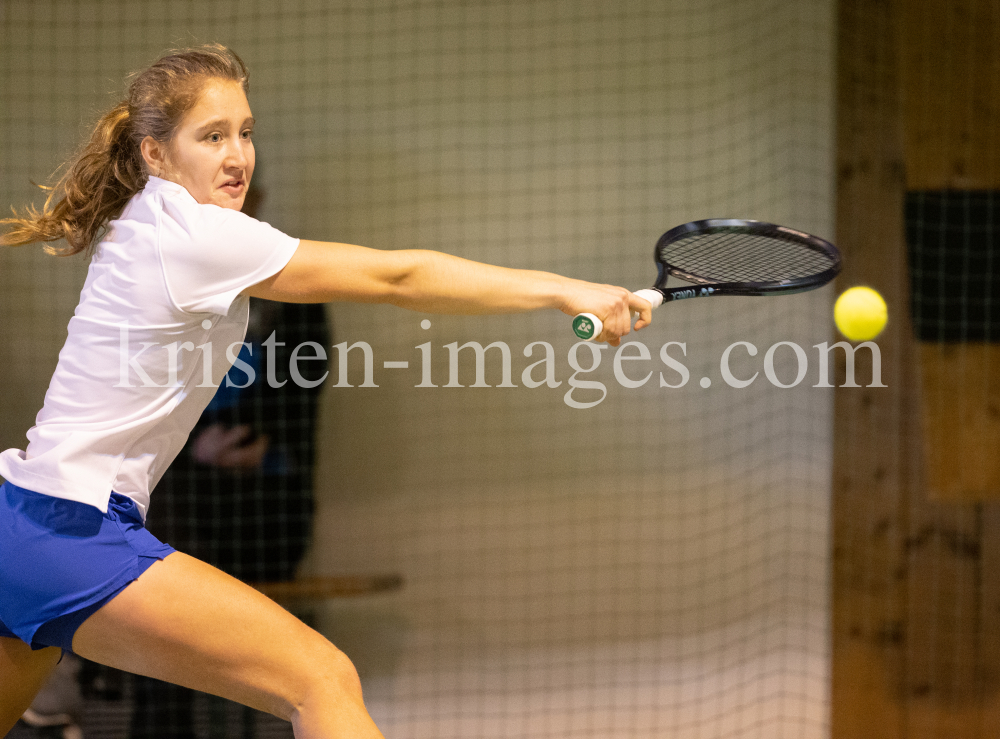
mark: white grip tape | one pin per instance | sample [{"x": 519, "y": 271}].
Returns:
[{"x": 653, "y": 297}]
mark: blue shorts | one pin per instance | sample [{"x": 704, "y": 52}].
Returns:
[{"x": 61, "y": 560}]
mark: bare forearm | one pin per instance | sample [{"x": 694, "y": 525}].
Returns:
[{"x": 441, "y": 283}]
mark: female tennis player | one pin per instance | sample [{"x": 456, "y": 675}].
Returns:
[{"x": 155, "y": 199}]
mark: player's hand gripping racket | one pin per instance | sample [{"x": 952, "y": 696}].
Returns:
[{"x": 731, "y": 257}]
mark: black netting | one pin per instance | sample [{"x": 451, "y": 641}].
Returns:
[{"x": 591, "y": 556}]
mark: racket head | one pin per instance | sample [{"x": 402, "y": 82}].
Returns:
[{"x": 743, "y": 257}]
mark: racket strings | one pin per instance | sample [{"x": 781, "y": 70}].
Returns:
[{"x": 743, "y": 257}]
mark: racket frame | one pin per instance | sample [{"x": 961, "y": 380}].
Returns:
[{"x": 702, "y": 287}]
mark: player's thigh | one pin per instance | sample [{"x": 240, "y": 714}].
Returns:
[
  {"x": 23, "y": 672},
  {"x": 189, "y": 623}
]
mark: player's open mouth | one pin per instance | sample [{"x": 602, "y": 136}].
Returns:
[{"x": 233, "y": 187}]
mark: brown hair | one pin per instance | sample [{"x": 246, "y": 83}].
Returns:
[{"x": 109, "y": 170}]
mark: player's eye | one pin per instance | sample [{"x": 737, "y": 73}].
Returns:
[
  {"x": 247, "y": 134},
  {"x": 215, "y": 137}
]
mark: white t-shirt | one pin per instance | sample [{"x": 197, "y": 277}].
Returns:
[{"x": 163, "y": 293}]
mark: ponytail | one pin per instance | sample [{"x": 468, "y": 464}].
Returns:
[
  {"x": 110, "y": 169},
  {"x": 101, "y": 180}
]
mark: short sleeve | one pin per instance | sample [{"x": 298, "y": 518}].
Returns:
[{"x": 211, "y": 254}]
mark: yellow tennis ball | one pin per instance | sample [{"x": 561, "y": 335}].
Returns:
[{"x": 860, "y": 313}]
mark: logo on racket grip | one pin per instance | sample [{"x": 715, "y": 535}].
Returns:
[{"x": 583, "y": 327}]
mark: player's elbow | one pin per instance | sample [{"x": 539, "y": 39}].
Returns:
[{"x": 405, "y": 284}]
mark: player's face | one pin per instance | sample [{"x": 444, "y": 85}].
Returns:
[{"x": 211, "y": 153}]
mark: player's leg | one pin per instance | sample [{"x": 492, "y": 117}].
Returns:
[
  {"x": 188, "y": 623},
  {"x": 23, "y": 672}
]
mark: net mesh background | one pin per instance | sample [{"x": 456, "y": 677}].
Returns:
[{"x": 582, "y": 560}]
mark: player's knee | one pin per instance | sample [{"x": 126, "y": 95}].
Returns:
[
  {"x": 313, "y": 673},
  {"x": 332, "y": 675},
  {"x": 339, "y": 671}
]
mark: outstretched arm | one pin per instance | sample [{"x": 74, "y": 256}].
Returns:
[{"x": 433, "y": 282}]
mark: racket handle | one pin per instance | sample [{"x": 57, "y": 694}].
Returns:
[{"x": 588, "y": 327}]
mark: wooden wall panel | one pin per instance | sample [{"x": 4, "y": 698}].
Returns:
[
  {"x": 950, "y": 93},
  {"x": 950, "y": 82},
  {"x": 915, "y": 623},
  {"x": 960, "y": 402}
]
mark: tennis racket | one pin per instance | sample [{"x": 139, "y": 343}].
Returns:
[{"x": 731, "y": 257}]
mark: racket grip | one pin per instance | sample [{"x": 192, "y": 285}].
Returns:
[{"x": 588, "y": 327}]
